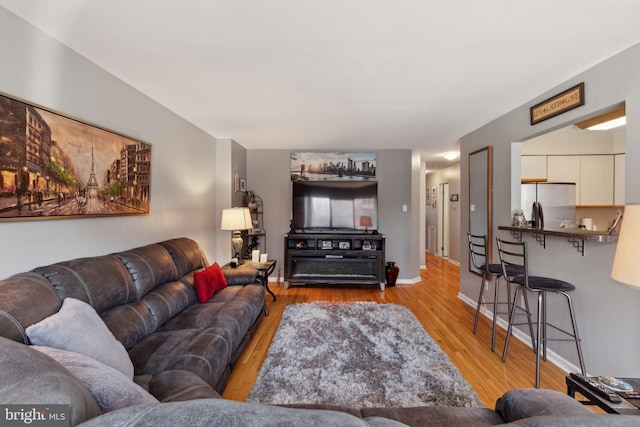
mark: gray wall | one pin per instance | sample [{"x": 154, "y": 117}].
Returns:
[
  {"x": 605, "y": 310},
  {"x": 231, "y": 158},
  {"x": 40, "y": 70},
  {"x": 239, "y": 164},
  {"x": 268, "y": 176}
]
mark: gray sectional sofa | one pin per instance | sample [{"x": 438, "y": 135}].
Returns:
[
  {"x": 168, "y": 355},
  {"x": 146, "y": 298},
  {"x": 31, "y": 377}
]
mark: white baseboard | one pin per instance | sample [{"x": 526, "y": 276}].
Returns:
[
  {"x": 408, "y": 281},
  {"x": 552, "y": 356}
]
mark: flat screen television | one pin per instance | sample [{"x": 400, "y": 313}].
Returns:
[{"x": 335, "y": 206}]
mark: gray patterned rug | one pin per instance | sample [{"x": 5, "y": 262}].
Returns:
[{"x": 362, "y": 355}]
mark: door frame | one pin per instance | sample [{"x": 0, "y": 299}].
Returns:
[{"x": 443, "y": 220}]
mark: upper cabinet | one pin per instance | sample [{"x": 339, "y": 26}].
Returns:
[
  {"x": 534, "y": 168},
  {"x": 599, "y": 178},
  {"x": 565, "y": 169},
  {"x": 594, "y": 160},
  {"x": 596, "y": 180}
]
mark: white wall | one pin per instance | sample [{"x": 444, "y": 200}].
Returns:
[
  {"x": 605, "y": 310},
  {"x": 40, "y": 70}
]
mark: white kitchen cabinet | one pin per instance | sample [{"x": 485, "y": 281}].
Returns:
[
  {"x": 599, "y": 178},
  {"x": 533, "y": 168},
  {"x": 565, "y": 169},
  {"x": 596, "y": 180}
]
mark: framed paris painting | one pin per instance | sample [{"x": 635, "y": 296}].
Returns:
[{"x": 53, "y": 166}]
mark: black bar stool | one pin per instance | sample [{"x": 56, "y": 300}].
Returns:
[
  {"x": 478, "y": 250},
  {"x": 513, "y": 255}
]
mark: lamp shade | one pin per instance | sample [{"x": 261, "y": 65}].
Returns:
[
  {"x": 365, "y": 221},
  {"x": 626, "y": 268},
  {"x": 236, "y": 219}
]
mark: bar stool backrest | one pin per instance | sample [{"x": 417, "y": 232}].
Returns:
[
  {"x": 478, "y": 250},
  {"x": 513, "y": 258}
]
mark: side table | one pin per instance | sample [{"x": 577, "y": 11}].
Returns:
[
  {"x": 264, "y": 268},
  {"x": 624, "y": 407}
]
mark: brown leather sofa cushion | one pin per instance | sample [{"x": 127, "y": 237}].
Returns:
[
  {"x": 174, "y": 386},
  {"x": 25, "y": 299},
  {"x": 186, "y": 253},
  {"x": 101, "y": 281},
  {"x": 149, "y": 267}
]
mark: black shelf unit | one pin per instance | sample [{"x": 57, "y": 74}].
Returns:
[
  {"x": 256, "y": 238},
  {"x": 334, "y": 259}
]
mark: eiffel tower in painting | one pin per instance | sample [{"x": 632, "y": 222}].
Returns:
[{"x": 92, "y": 183}]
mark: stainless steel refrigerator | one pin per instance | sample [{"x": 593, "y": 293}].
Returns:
[{"x": 550, "y": 203}]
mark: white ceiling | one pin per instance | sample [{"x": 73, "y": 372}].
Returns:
[{"x": 340, "y": 74}]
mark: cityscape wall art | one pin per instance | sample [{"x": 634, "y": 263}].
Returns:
[
  {"x": 53, "y": 166},
  {"x": 321, "y": 166}
]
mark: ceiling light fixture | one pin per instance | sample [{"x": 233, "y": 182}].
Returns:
[
  {"x": 451, "y": 155},
  {"x": 611, "y": 124},
  {"x": 603, "y": 119}
]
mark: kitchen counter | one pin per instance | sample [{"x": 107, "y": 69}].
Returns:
[{"x": 577, "y": 237}]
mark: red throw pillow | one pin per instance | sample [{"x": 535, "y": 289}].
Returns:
[{"x": 209, "y": 281}]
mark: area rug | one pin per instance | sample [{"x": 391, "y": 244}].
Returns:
[{"x": 360, "y": 355}]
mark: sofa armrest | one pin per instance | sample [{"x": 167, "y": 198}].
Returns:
[
  {"x": 523, "y": 403},
  {"x": 241, "y": 276},
  {"x": 178, "y": 385}
]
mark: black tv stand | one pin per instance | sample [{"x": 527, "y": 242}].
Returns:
[
  {"x": 303, "y": 232},
  {"x": 347, "y": 258}
]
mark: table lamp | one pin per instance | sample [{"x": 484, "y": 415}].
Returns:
[
  {"x": 626, "y": 268},
  {"x": 236, "y": 219},
  {"x": 365, "y": 221}
]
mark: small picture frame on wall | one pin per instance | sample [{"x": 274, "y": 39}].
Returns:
[
  {"x": 433, "y": 193},
  {"x": 453, "y": 198},
  {"x": 243, "y": 185},
  {"x": 236, "y": 182}
]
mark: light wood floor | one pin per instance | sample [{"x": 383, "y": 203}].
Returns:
[{"x": 447, "y": 319}]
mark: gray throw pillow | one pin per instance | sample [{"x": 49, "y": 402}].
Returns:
[
  {"x": 78, "y": 328},
  {"x": 523, "y": 403},
  {"x": 109, "y": 387}
]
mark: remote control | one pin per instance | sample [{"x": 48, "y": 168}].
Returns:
[
  {"x": 629, "y": 394},
  {"x": 597, "y": 388}
]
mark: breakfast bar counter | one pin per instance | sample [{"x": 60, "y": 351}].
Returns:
[{"x": 576, "y": 237}]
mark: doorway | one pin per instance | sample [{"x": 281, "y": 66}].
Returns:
[{"x": 443, "y": 220}]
